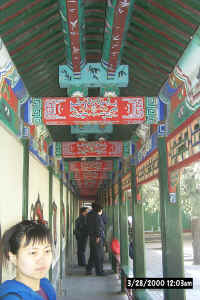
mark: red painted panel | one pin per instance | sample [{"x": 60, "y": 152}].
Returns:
[
  {"x": 92, "y": 149},
  {"x": 69, "y": 111},
  {"x": 94, "y": 166}
]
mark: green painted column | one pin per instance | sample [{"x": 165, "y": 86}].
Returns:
[
  {"x": 75, "y": 215},
  {"x": 110, "y": 207},
  {"x": 171, "y": 228},
  {"x": 138, "y": 230},
  {"x": 61, "y": 223},
  {"x": 71, "y": 215},
  {"x": 139, "y": 268},
  {"x": 116, "y": 232},
  {"x": 50, "y": 206},
  {"x": 66, "y": 214},
  {"x": 71, "y": 246},
  {"x": 105, "y": 198},
  {"x": 50, "y": 195},
  {"x": 115, "y": 197},
  {"x": 68, "y": 217},
  {"x": 123, "y": 224},
  {"x": 72, "y": 223},
  {"x": 106, "y": 205},
  {"x": 25, "y": 187},
  {"x": 112, "y": 232}
]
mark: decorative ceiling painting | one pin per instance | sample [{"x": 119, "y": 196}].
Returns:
[
  {"x": 36, "y": 35},
  {"x": 92, "y": 149},
  {"x": 90, "y": 74}
]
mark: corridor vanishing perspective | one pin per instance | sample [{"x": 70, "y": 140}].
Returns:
[{"x": 100, "y": 103}]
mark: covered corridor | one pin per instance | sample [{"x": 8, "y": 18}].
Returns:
[{"x": 100, "y": 102}]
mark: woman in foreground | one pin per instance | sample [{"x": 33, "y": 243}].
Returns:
[{"x": 28, "y": 245}]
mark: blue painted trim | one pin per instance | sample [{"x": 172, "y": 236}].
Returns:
[
  {"x": 161, "y": 110},
  {"x": 45, "y": 163},
  {"x": 93, "y": 75}
]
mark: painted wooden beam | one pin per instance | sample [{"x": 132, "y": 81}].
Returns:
[
  {"x": 95, "y": 110},
  {"x": 72, "y": 14},
  {"x": 94, "y": 129},
  {"x": 118, "y": 16},
  {"x": 93, "y": 75}
]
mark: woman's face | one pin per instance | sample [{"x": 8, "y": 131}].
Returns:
[{"x": 33, "y": 261}]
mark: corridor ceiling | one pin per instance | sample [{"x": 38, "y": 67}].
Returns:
[
  {"x": 156, "y": 36},
  {"x": 159, "y": 32}
]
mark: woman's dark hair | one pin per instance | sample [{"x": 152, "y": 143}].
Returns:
[{"x": 33, "y": 231}]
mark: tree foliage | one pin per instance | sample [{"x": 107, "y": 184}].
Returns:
[
  {"x": 190, "y": 189},
  {"x": 189, "y": 192},
  {"x": 150, "y": 196}
]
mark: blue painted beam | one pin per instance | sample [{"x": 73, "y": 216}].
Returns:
[
  {"x": 94, "y": 129},
  {"x": 93, "y": 75}
]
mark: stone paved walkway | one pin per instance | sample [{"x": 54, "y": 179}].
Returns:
[
  {"x": 77, "y": 286},
  {"x": 154, "y": 267}
]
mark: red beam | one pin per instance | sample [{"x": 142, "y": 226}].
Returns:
[{"x": 73, "y": 24}]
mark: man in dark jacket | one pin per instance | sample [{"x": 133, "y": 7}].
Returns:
[
  {"x": 104, "y": 221},
  {"x": 96, "y": 234},
  {"x": 81, "y": 235}
]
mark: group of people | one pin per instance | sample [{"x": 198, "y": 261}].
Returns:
[{"x": 91, "y": 224}]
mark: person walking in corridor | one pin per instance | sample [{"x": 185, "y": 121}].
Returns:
[
  {"x": 81, "y": 234},
  {"x": 96, "y": 233},
  {"x": 28, "y": 245}
]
